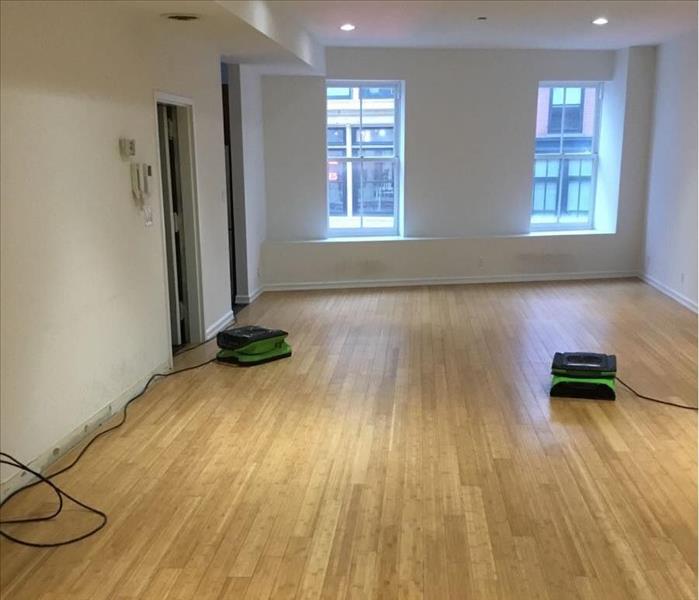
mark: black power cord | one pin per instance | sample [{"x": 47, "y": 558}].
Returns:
[
  {"x": 627, "y": 386},
  {"x": 60, "y": 493}
]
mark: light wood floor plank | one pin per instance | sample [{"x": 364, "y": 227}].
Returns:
[{"x": 408, "y": 449}]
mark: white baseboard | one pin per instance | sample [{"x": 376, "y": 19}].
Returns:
[
  {"x": 372, "y": 283},
  {"x": 219, "y": 324},
  {"x": 668, "y": 291},
  {"x": 248, "y": 298},
  {"x": 64, "y": 445}
]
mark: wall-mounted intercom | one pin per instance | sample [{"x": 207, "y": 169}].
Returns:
[
  {"x": 140, "y": 181},
  {"x": 140, "y": 177}
]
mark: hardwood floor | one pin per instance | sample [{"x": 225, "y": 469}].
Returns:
[{"x": 408, "y": 449}]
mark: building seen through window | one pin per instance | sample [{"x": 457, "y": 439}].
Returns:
[
  {"x": 363, "y": 162},
  {"x": 565, "y": 161}
]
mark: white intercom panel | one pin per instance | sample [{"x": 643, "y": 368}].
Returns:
[
  {"x": 140, "y": 177},
  {"x": 140, "y": 181}
]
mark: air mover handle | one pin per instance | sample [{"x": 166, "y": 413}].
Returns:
[{"x": 584, "y": 362}]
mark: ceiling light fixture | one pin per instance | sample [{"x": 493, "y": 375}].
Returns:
[
  {"x": 180, "y": 17},
  {"x": 600, "y": 21},
  {"x": 347, "y": 27}
]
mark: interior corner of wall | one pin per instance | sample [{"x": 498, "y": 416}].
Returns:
[{"x": 611, "y": 146}]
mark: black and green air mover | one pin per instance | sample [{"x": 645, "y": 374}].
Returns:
[
  {"x": 252, "y": 345},
  {"x": 584, "y": 375}
]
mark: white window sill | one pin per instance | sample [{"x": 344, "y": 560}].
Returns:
[
  {"x": 363, "y": 238},
  {"x": 399, "y": 238},
  {"x": 548, "y": 232}
]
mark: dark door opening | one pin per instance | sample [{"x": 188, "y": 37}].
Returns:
[
  {"x": 171, "y": 179},
  {"x": 229, "y": 190}
]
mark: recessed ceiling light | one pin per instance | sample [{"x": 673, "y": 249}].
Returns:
[
  {"x": 347, "y": 27},
  {"x": 180, "y": 17},
  {"x": 600, "y": 21}
]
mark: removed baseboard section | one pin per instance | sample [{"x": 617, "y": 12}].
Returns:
[
  {"x": 371, "y": 283},
  {"x": 248, "y": 298},
  {"x": 45, "y": 459},
  {"x": 219, "y": 325},
  {"x": 668, "y": 291}
]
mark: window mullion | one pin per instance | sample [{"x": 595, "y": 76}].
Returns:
[
  {"x": 349, "y": 195},
  {"x": 360, "y": 194},
  {"x": 561, "y": 162}
]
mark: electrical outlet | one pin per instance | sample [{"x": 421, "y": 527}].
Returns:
[{"x": 480, "y": 263}]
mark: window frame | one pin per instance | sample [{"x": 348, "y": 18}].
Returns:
[
  {"x": 561, "y": 156},
  {"x": 562, "y": 107},
  {"x": 396, "y": 159}
]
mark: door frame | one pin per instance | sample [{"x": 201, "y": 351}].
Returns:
[{"x": 190, "y": 192}]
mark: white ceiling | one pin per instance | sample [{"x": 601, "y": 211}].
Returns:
[
  {"x": 236, "y": 40},
  {"x": 510, "y": 24}
]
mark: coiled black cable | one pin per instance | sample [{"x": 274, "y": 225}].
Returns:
[{"x": 60, "y": 493}]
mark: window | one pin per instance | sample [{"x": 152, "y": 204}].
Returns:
[
  {"x": 336, "y": 141},
  {"x": 376, "y": 93},
  {"x": 363, "y": 158},
  {"x": 340, "y": 93},
  {"x": 570, "y": 99},
  {"x": 565, "y": 156}
]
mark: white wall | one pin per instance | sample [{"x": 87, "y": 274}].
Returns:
[
  {"x": 294, "y": 134},
  {"x": 611, "y": 146},
  {"x": 231, "y": 76},
  {"x": 247, "y": 177},
  {"x": 636, "y": 146},
  {"x": 310, "y": 265},
  {"x": 84, "y": 311},
  {"x": 254, "y": 175},
  {"x": 276, "y": 25},
  {"x": 671, "y": 226},
  {"x": 469, "y": 139}
]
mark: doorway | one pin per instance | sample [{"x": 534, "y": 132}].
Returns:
[
  {"x": 180, "y": 219},
  {"x": 229, "y": 183}
]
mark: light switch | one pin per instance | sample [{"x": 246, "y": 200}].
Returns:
[{"x": 148, "y": 215}]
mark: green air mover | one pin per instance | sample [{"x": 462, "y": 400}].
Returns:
[
  {"x": 252, "y": 345},
  {"x": 584, "y": 375}
]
